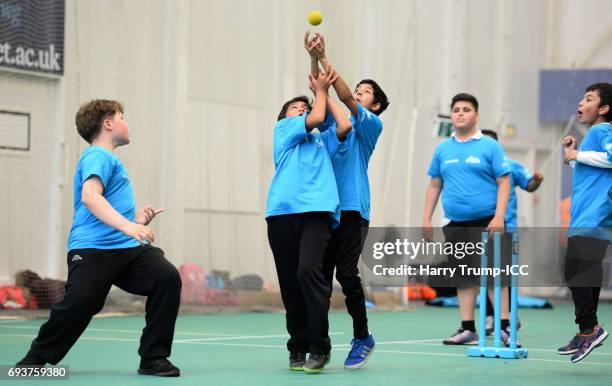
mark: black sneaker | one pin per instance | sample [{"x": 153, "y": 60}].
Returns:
[
  {"x": 316, "y": 362},
  {"x": 31, "y": 360},
  {"x": 297, "y": 360},
  {"x": 160, "y": 367}
]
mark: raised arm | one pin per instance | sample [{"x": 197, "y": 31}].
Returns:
[
  {"x": 319, "y": 86},
  {"x": 343, "y": 123},
  {"x": 310, "y": 47},
  {"x": 342, "y": 89}
]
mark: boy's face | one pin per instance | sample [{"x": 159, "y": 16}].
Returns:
[
  {"x": 463, "y": 115},
  {"x": 296, "y": 109},
  {"x": 119, "y": 129},
  {"x": 589, "y": 110},
  {"x": 364, "y": 94}
]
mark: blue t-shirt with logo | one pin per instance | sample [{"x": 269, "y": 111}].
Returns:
[
  {"x": 469, "y": 172},
  {"x": 304, "y": 176},
  {"x": 520, "y": 177},
  {"x": 591, "y": 206},
  {"x": 352, "y": 158},
  {"x": 87, "y": 230}
]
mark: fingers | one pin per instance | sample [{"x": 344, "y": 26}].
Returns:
[{"x": 146, "y": 235}]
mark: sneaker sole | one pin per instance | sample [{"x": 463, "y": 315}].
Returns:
[
  {"x": 166, "y": 374},
  {"x": 315, "y": 371},
  {"x": 362, "y": 363},
  {"x": 301, "y": 368},
  {"x": 572, "y": 351},
  {"x": 595, "y": 344},
  {"x": 451, "y": 343}
]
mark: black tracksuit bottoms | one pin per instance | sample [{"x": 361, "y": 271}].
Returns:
[
  {"x": 140, "y": 270},
  {"x": 298, "y": 242}
]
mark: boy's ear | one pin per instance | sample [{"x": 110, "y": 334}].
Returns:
[
  {"x": 375, "y": 106},
  {"x": 603, "y": 110}
]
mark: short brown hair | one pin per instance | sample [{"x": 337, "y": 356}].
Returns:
[{"x": 90, "y": 116}]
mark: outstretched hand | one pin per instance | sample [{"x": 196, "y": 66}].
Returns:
[{"x": 146, "y": 214}]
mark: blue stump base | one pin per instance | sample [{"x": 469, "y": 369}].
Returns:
[{"x": 497, "y": 352}]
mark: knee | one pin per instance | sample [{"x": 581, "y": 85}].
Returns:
[
  {"x": 83, "y": 304},
  {"x": 169, "y": 277},
  {"x": 307, "y": 274},
  {"x": 348, "y": 279}
]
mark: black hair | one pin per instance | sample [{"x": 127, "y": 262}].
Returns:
[
  {"x": 301, "y": 98},
  {"x": 605, "y": 97},
  {"x": 490, "y": 133},
  {"x": 463, "y": 97},
  {"x": 379, "y": 95}
]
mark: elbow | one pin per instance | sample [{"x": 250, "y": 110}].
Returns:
[
  {"x": 346, "y": 98},
  {"x": 343, "y": 130},
  {"x": 316, "y": 120}
]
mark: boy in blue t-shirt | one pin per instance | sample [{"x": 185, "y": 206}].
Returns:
[
  {"x": 350, "y": 164},
  {"x": 110, "y": 243},
  {"x": 471, "y": 173},
  {"x": 302, "y": 209},
  {"x": 590, "y": 228}
]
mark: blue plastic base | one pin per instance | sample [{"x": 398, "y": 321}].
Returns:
[{"x": 497, "y": 352}]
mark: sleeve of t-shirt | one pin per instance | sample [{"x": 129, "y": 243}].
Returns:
[
  {"x": 367, "y": 127},
  {"x": 499, "y": 162},
  {"x": 288, "y": 132},
  {"x": 97, "y": 164},
  {"x": 521, "y": 174},
  {"x": 434, "y": 166},
  {"x": 606, "y": 144},
  {"x": 328, "y": 124},
  {"x": 332, "y": 143}
]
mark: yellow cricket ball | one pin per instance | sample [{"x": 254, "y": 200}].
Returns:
[{"x": 315, "y": 17}]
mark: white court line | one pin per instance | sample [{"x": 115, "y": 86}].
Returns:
[
  {"x": 242, "y": 337},
  {"x": 131, "y": 331},
  {"x": 333, "y": 348},
  {"x": 217, "y": 335}
]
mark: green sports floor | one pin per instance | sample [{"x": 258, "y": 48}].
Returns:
[{"x": 249, "y": 349}]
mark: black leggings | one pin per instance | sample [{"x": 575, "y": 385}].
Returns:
[{"x": 298, "y": 242}]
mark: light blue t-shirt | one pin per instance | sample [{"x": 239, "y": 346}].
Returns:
[
  {"x": 469, "y": 172},
  {"x": 87, "y": 230},
  {"x": 520, "y": 177},
  {"x": 591, "y": 207},
  {"x": 304, "y": 176},
  {"x": 351, "y": 160}
]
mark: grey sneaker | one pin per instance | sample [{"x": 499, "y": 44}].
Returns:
[
  {"x": 316, "y": 362},
  {"x": 489, "y": 326},
  {"x": 505, "y": 338},
  {"x": 462, "y": 336},
  {"x": 297, "y": 360}
]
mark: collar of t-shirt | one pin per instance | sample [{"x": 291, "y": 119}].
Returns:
[{"x": 476, "y": 136}]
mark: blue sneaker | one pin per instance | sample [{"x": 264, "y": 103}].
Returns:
[
  {"x": 589, "y": 342},
  {"x": 361, "y": 349}
]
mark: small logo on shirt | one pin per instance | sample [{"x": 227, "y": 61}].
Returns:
[
  {"x": 76, "y": 258},
  {"x": 319, "y": 142},
  {"x": 472, "y": 160},
  {"x": 452, "y": 161}
]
